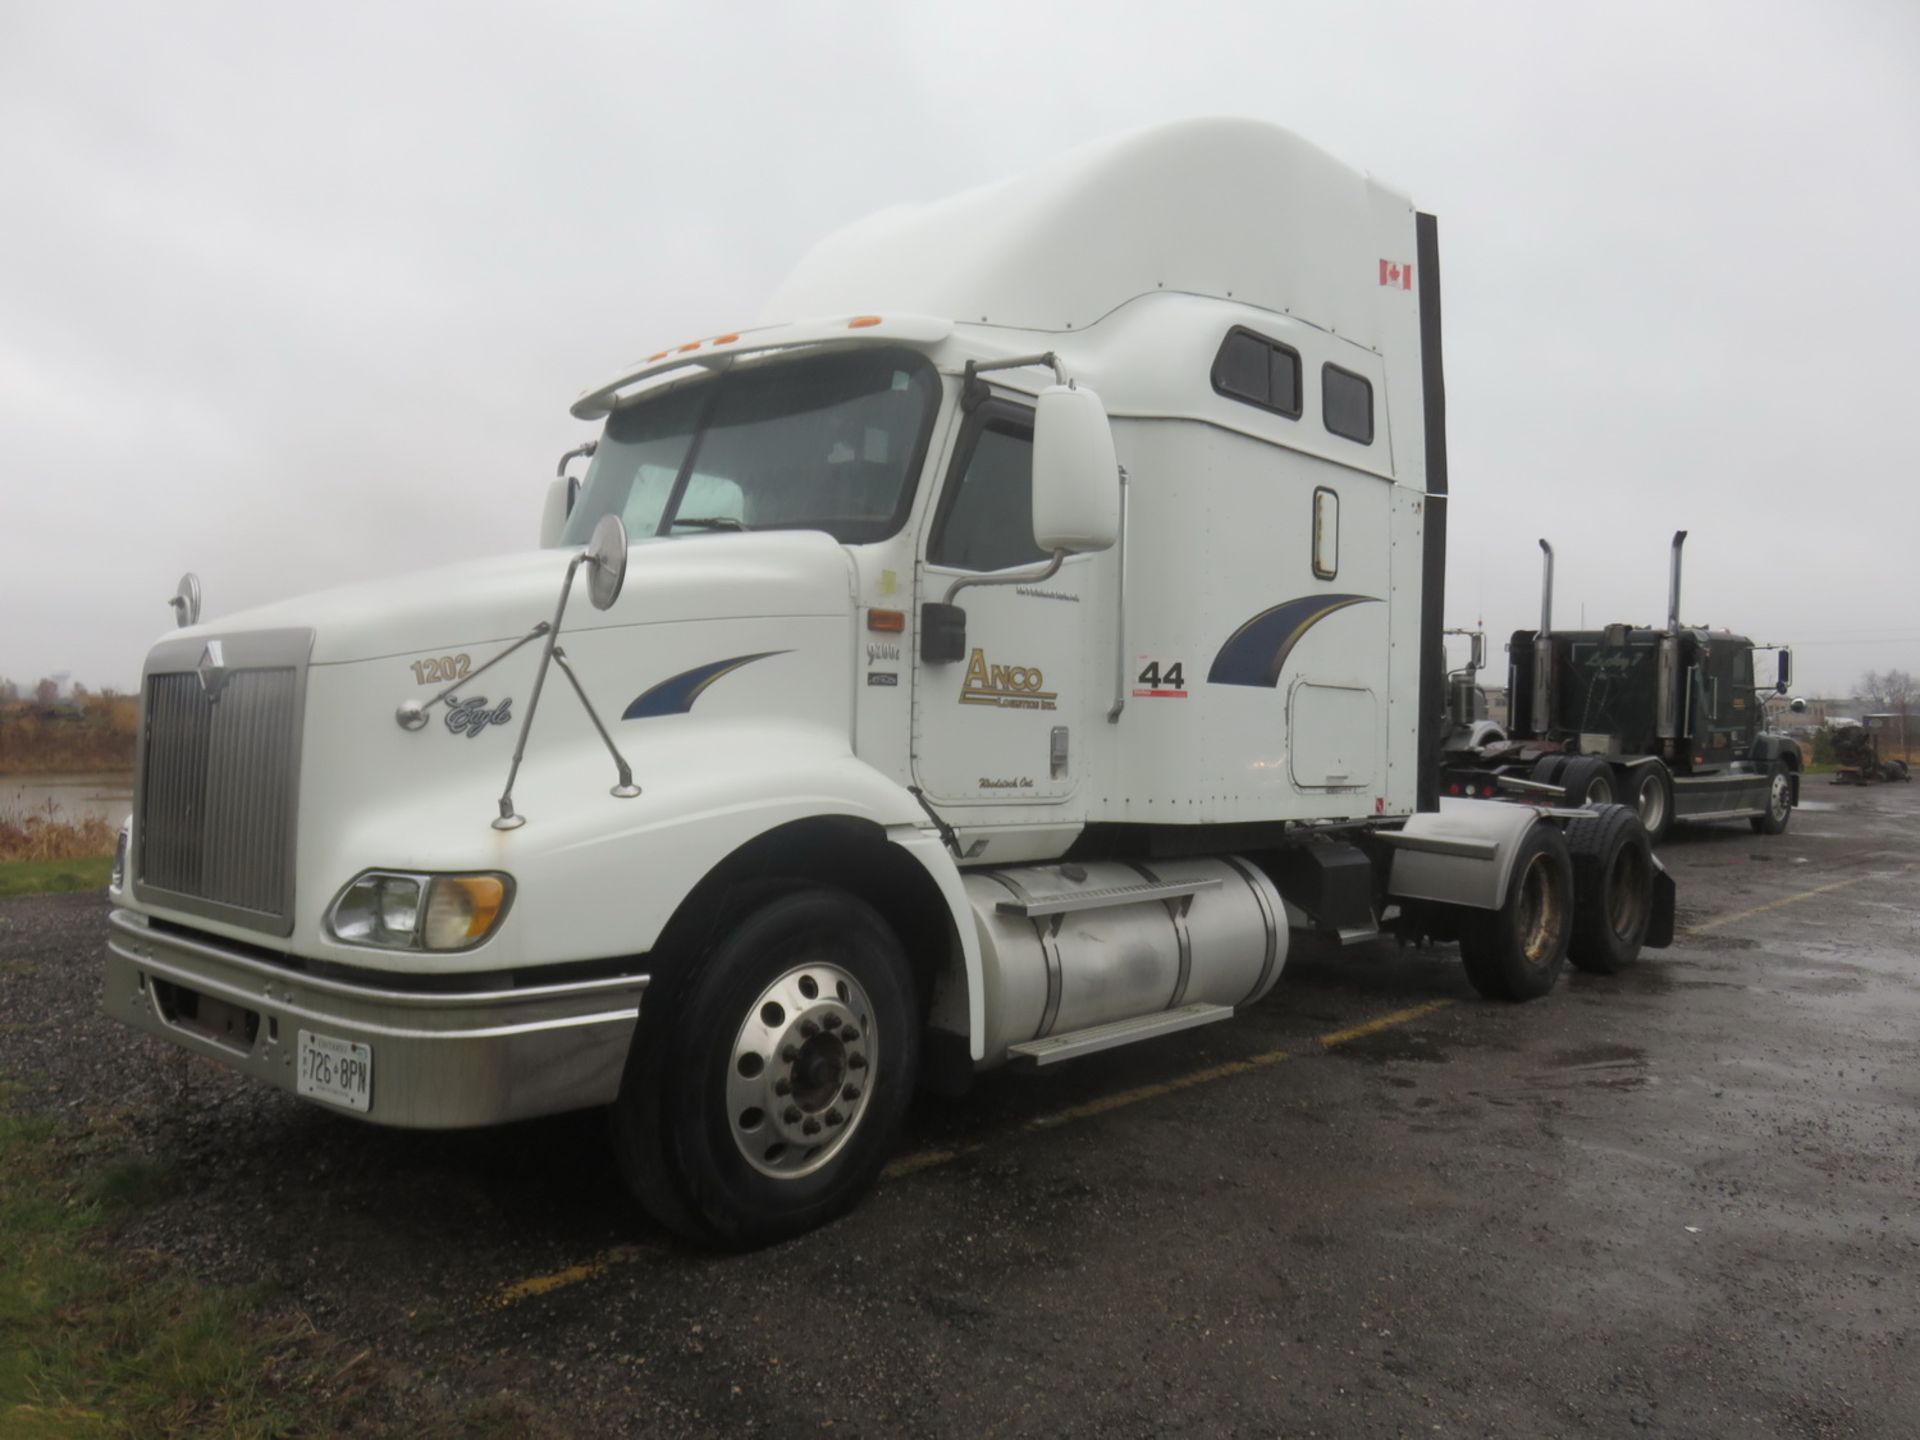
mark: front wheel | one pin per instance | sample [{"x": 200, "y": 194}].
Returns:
[
  {"x": 766, "y": 1089},
  {"x": 1773, "y": 819},
  {"x": 1518, "y": 951},
  {"x": 1651, "y": 793}
]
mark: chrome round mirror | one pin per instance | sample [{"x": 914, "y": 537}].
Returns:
[
  {"x": 186, "y": 600},
  {"x": 606, "y": 558}
]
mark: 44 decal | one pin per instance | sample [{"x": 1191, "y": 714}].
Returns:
[{"x": 1160, "y": 679}]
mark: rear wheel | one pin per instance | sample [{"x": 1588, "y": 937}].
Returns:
[
  {"x": 1587, "y": 780},
  {"x": 1773, "y": 819},
  {"x": 766, "y": 1089},
  {"x": 1612, "y": 889},
  {"x": 1650, "y": 791},
  {"x": 1518, "y": 951}
]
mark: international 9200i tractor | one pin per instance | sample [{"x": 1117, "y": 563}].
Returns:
[{"x": 987, "y": 658}]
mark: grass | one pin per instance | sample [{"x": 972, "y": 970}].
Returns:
[
  {"x": 40, "y": 877},
  {"x": 95, "y": 1341}
]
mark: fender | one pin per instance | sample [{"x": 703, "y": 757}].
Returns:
[
  {"x": 1769, "y": 748},
  {"x": 1460, "y": 854}
]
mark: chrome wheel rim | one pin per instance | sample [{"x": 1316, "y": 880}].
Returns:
[
  {"x": 1777, "y": 799},
  {"x": 1628, "y": 880},
  {"x": 1653, "y": 803},
  {"x": 1540, "y": 912},
  {"x": 800, "y": 1075}
]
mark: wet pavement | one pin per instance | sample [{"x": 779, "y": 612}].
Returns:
[{"x": 1677, "y": 1202}]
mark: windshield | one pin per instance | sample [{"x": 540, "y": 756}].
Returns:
[{"x": 830, "y": 443}]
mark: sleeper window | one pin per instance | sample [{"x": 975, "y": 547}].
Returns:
[
  {"x": 1259, "y": 371},
  {"x": 1347, "y": 403}
]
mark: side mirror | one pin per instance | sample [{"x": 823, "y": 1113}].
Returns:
[
  {"x": 943, "y": 633},
  {"x": 553, "y": 514},
  {"x": 1785, "y": 676},
  {"x": 1479, "y": 659},
  {"x": 1076, "y": 476}
]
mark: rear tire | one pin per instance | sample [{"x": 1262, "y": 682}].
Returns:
[
  {"x": 1612, "y": 889},
  {"x": 1546, "y": 768},
  {"x": 1773, "y": 819},
  {"x": 1518, "y": 951},
  {"x": 767, "y": 1088},
  {"x": 1650, "y": 792},
  {"x": 1588, "y": 780}
]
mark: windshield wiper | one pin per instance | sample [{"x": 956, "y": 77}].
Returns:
[{"x": 709, "y": 522}]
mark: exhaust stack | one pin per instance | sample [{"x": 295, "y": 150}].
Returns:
[
  {"x": 1666, "y": 717},
  {"x": 1543, "y": 649},
  {"x": 1673, "y": 584}
]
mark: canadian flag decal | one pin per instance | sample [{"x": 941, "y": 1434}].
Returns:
[{"x": 1392, "y": 272}]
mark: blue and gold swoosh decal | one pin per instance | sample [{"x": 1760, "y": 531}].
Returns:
[
  {"x": 1256, "y": 652},
  {"x": 675, "y": 695}
]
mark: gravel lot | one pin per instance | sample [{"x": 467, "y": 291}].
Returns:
[{"x": 1679, "y": 1202}]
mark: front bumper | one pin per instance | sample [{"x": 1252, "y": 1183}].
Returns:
[{"x": 440, "y": 1061}]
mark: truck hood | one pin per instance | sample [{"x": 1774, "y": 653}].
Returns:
[{"x": 477, "y": 602}]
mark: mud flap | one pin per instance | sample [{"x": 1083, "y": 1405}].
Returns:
[{"x": 1660, "y": 923}]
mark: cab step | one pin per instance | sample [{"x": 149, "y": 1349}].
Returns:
[
  {"x": 1076, "y": 1043},
  {"x": 1104, "y": 897}
]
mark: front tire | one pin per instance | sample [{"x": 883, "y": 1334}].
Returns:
[
  {"x": 1773, "y": 819},
  {"x": 1650, "y": 791},
  {"x": 1518, "y": 951},
  {"x": 766, "y": 1089}
]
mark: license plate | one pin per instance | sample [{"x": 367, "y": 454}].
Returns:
[{"x": 339, "y": 1072}]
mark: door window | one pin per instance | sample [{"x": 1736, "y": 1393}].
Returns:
[{"x": 986, "y": 519}]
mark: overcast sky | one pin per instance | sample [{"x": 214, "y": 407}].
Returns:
[{"x": 293, "y": 295}]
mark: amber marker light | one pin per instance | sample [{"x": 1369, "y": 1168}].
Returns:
[
  {"x": 726, "y": 339},
  {"x": 862, "y": 322},
  {"x": 690, "y": 345},
  {"x": 661, "y": 355},
  {"x": 892, "y": 622},
  {"x": 461, "y": 910}
]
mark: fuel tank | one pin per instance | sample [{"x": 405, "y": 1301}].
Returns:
[{"x": 1069, "y": 946}]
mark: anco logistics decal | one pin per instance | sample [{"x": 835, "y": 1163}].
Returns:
[{"x": 1011, "y": 687}]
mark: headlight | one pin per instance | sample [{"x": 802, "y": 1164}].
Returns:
[
  {"x": 118, "y": 880},
  {"x": 391, "y": 910}
]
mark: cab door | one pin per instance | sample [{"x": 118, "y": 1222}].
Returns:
[
  {"x": 996, "y": 727},
  {"x": 1722, "y": 706}
]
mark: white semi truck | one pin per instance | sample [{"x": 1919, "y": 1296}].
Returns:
[{"x": 986, "y": 659}]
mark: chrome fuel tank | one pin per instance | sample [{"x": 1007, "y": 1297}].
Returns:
[{"x": 1069, "y": 946}]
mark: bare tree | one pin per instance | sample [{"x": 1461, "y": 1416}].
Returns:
[
  {"x": 46, "y": 692},
  {"x": 1887, "y": 691},
  {"x": 9, "y": 691}
]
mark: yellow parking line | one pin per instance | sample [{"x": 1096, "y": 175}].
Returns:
[
  {"x": 1053, "y": 1119},
  {"x": 572, "y": 1275},
  {"x": 1385, "y": 1022},
  {"x": 1719, "y": 920}
]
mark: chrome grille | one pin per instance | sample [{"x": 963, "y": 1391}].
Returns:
[{"x": 219, "y": 777}]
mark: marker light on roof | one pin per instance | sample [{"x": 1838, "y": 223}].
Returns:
[
  {"x": 726, "y": 339},
  {"x": 861, "y": 322}
]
